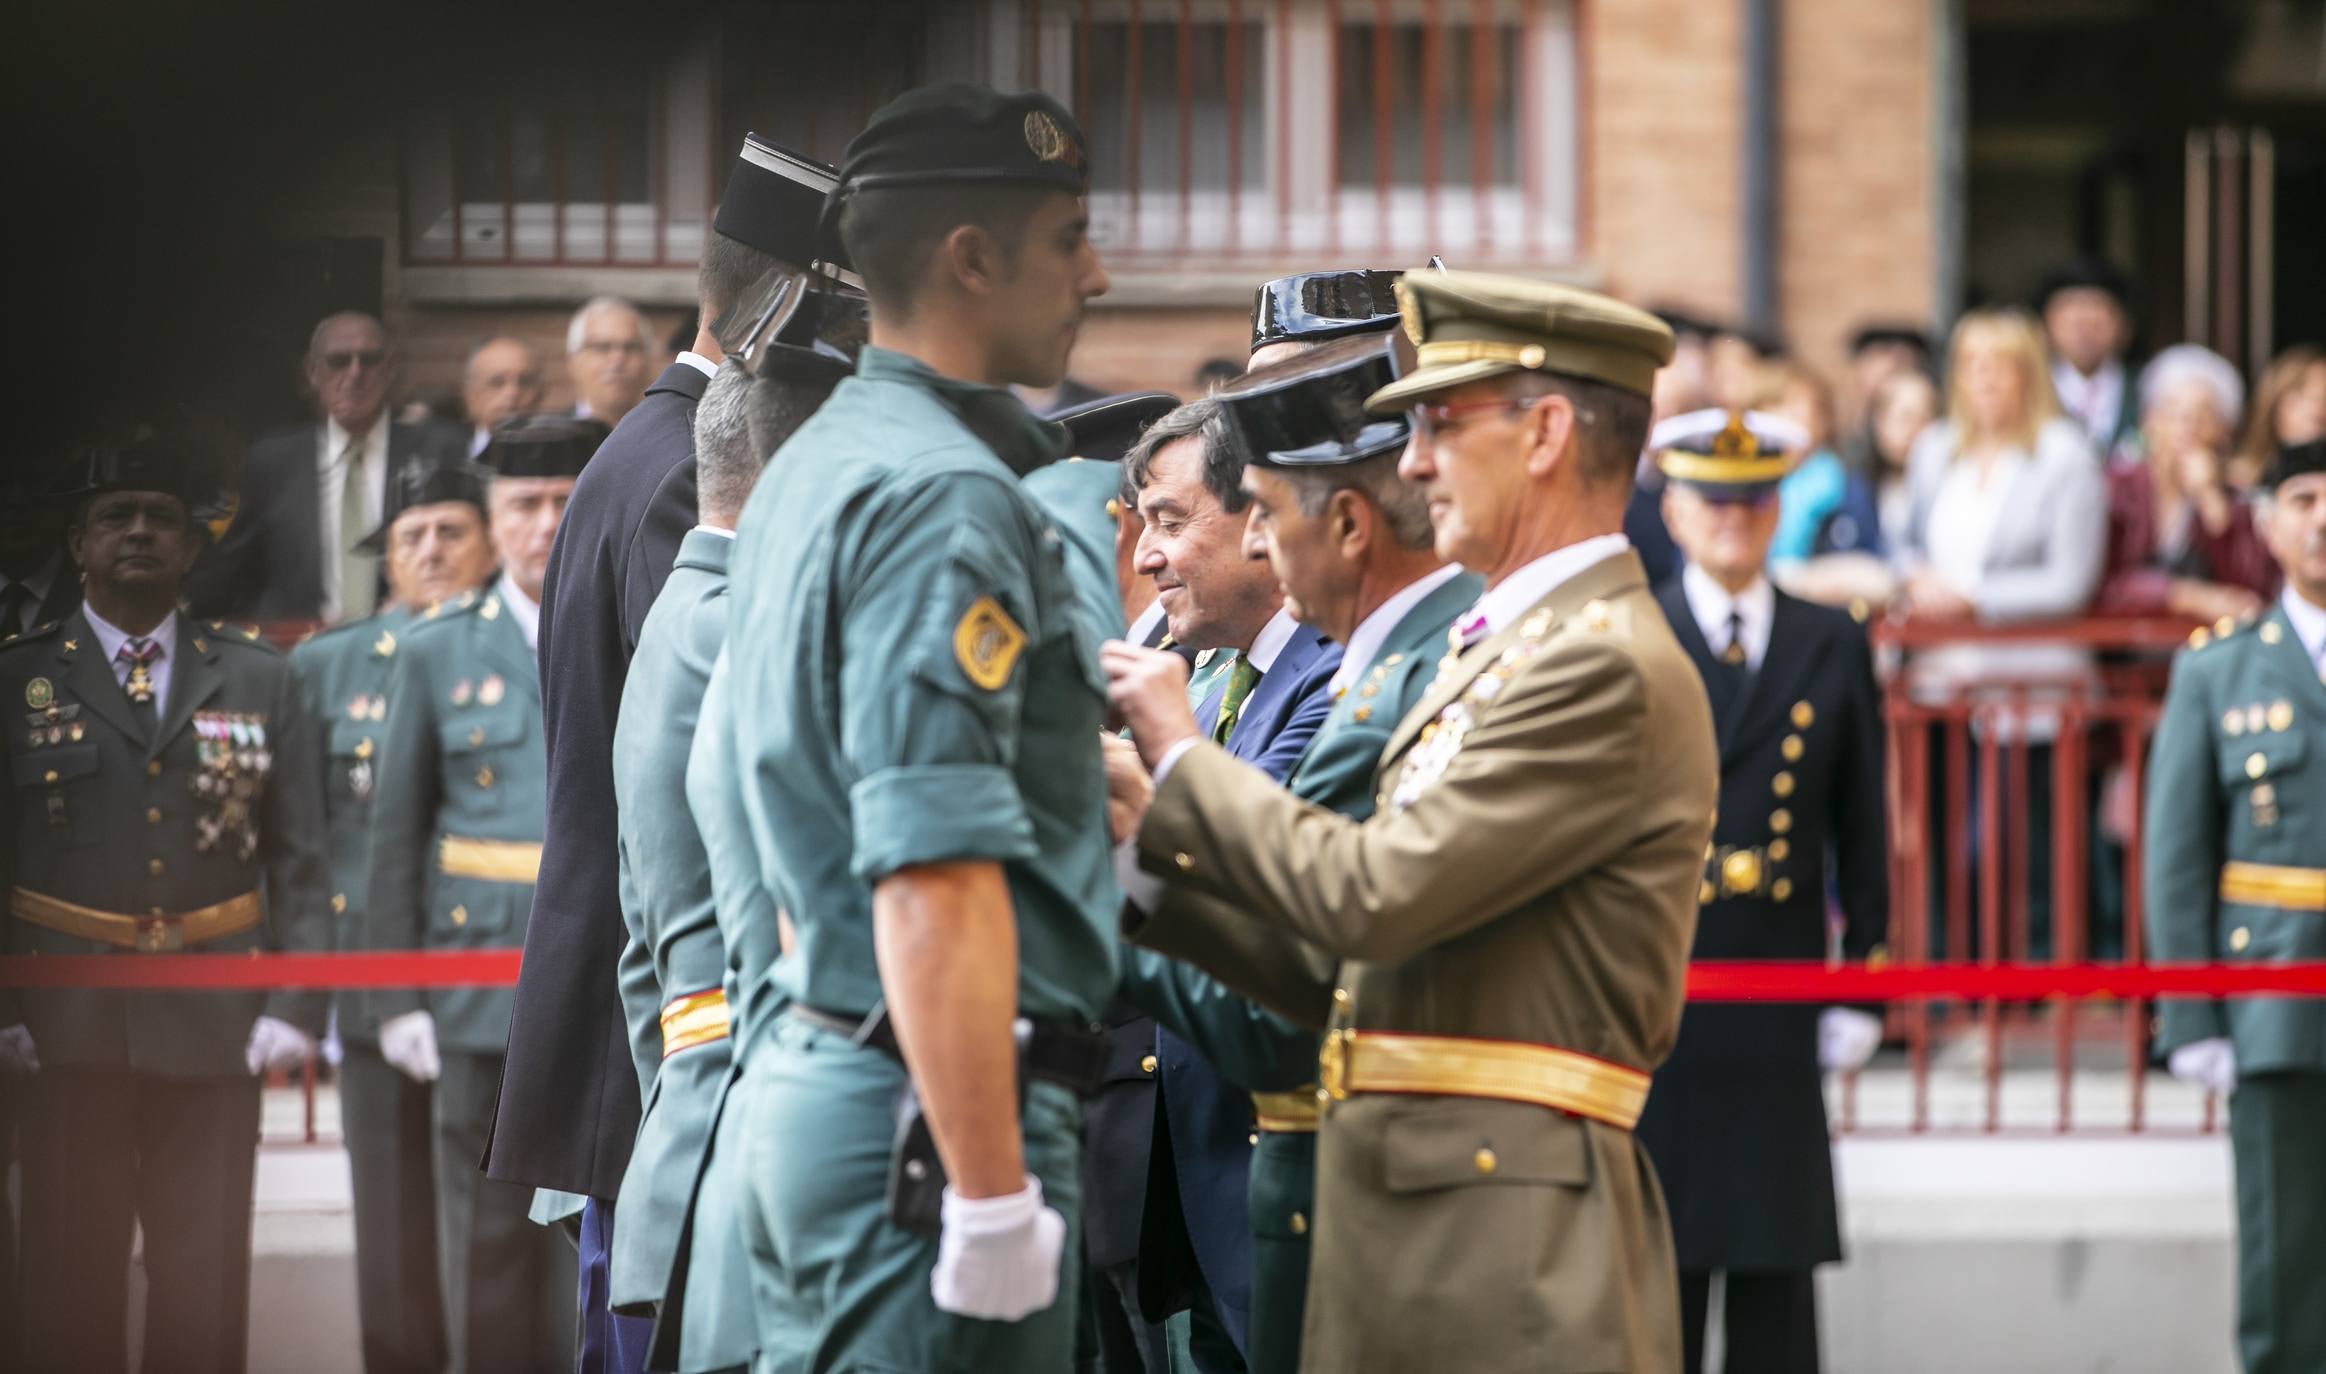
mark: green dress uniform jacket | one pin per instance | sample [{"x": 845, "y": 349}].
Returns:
[
  {"x": 674, "y": 957},
  {"x": 100, "y": 816},
  {"x": 1251, "y": 1046},
  {"x": 2235, "y": 871},
  {"x": 343, "y": 675},
  {"x": 916, "y": 683},
  {"x": 1529, "y": 878},
  {"x": 456, "y": 835}
]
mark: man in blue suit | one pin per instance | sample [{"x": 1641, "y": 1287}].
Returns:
[{"x": 1195, "y": 1244}]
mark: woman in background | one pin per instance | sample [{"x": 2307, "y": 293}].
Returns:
[
  {"x": 2289, "y": 407},
  {"x": 2181, "y": 540}
]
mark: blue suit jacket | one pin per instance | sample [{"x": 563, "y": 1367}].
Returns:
[{"x": 1204, "y": 1129}]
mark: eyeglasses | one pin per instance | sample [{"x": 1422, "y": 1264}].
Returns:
[
  {"x": 1431, "y": 420},
  {"x": 602, "y": 347},
  {"x": 340, "y": 360}
]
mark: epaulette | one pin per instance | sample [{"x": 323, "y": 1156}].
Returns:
[
  {"x": 35, "y": 633},
  {"x": 2230, "y": 627}
]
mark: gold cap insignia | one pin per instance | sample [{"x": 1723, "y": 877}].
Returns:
[
  {"x": 1045, "y": 140},
  {"x": 987, "y": 642},
  {"x": 1409, "y": 312}
]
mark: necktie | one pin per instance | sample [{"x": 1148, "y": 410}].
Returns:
[
  {"x": 1724, "y": 682},
  {"x": 140, "y": 653},
  {"x": 1241, "y": 680},
  {"x": 1734, "y": 654},
  {"x": 355, "y": 569}
]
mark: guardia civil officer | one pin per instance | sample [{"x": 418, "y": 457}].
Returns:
[
  {"x": 916, "y": 720},
  {"x": 434, "y": 548},
  {"x": 1528, "y": 876},
  {"x": 1736, "y": 1119},
  {"x": 2236, "y": 872},
  {"x": 165, "y": 798},
  {"x": 1350, "y": 542},
  {"x": 456, "y": 825}
]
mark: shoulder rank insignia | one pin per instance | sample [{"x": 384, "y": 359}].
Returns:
[{"x": 986, "y": 643}]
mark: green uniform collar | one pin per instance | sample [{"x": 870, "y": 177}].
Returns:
[
  {"x": 998, "y": 418},
  {"x": 705, "y": 549}
]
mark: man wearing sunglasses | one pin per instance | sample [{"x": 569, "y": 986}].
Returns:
[{"x": 312, "y": 492}]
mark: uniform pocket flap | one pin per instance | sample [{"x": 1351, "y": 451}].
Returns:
[
  {"x": 2260, "y": 756},
  {"x": 1456, "y": 1142},
  {"x": 482, "y": 731},
  {"x": 351, "y": 739},
  {"x": 55, "y": 764}
]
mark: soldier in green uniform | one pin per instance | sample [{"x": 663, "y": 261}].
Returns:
[
  {"x": 2236, "y": 871},
  {"x": 163, "y": 797},
  {"x": 916, "y": 720},
  {"x": 457, "y": 820},
  {"x": 436, "y": 548},
  {"x": 1350, "y": 542}
]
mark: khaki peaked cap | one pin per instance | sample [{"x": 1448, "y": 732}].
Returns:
[{"x": 1469, "y": 326}]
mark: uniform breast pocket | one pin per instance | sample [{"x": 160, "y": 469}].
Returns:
[
  {"x": 354, "y": 755},
  {"x": 2263, "y": 772},
  {"x": 56, "y": 790},
  {"x": 473, "y": 735}
]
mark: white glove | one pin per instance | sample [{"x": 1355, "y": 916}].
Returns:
[
  {"x": 16, "y": 1056},
  {"x": 1847, "y": 1038},
  {"x": 276, "y": 1045},
  {"x": 409, "y": 1043},
  {"x": 997, "y": 1257},
  {"x": 2210, "y": 1064}
]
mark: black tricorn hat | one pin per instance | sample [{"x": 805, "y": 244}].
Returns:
[
  {"x": 542, "y": 445},
  {"x": 428, "y": 484},
  {"x": 2291, "y": 461},
  {"x": 774, "y": 202},
  {"x": 1104, "y": 430},
  {"x": 1314, "y": 306},
  {"x": 1309, "y": 411},
  {"x": 799, "y": 325}
]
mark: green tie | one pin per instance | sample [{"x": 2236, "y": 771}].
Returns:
[
  {"x": 1241, "y": 680},
  {"x": 355, "y": 569}
]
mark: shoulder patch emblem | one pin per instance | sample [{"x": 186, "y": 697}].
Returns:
[{"x": 987, "y": 643}]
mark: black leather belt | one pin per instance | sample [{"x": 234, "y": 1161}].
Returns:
[{"x": 1070, "y": 1054}]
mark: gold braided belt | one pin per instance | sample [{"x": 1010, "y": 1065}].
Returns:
[
  {"x": 2288, "y": 889},
  {"x": 1290, "y": 1113},
  {"x": 698, "y": 1018},
  {"x": 496, "y": 861},
  {"x": 157, "y": 933},
  {"x": 1457, "y": 1066}
]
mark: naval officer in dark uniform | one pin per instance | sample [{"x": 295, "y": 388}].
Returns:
[
  {"x": 164, "y": 797},
  {"x": 1735, "y": 1121}
]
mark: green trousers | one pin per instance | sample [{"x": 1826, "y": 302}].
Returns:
[
  {"x": 2277, "y": 1135},
  {"x": 837, "y": 1289},
  {"x": 1283, "y": 1212}
]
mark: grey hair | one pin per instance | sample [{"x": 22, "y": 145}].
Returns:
[
  {"x": 727, "y": 463},
  {"x": 1403, "y": 507},
  {"x": 2193, "y": 362},
  {"x": 577, "y": 328},
  {"x": 315, "y": 336},
  {"x": 1223, "y": 464}
]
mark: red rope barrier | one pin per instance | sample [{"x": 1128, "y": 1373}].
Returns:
[{"x": 1709, "y": 982}]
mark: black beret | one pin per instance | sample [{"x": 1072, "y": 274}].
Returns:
[
  {"x": 1324, "y": 305},
  {"x": 957, "y": 131},
  {"x": 2291, "y": 461},
  {"x": 1309, "y": 411},
  {"x": 2090, "y": 274},
  {"x": 428, "y": 484},
  {"x": 774, "y": 202},
  {"x": 542, "y": 446},
  {"x": 1104, "y": 430}
]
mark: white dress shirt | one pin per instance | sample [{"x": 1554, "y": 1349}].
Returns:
[
  {"x": 1268, "y": 645},
  {"x": 111, "y": 637},
  {"x": 698, "y": 362},
  {"x": 1365, "y": 641},
  {"x": 1755, "y": 607},
  {"x": 2309, "y": 621},
  {"x": 331, "y": 484},
  {"x": 1516, "y": 594},
  {"x": 522, "y": 609},
  {"x": 2093, "y": 402}
]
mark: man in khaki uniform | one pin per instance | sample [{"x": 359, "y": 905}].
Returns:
[{"x": 1512, "y": 924}]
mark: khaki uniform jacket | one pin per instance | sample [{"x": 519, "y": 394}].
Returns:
[{"x": 1530, "y": 875}]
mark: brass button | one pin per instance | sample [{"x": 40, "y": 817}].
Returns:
[
  {"x": 1253, "y": 1139},
  {"x": 2255, "y": 765},
  {"x": 1791, "y": 748},
  {"x": 485, "y": 776},
  {"x": 2233, "y": 722},
  {"x": 154, "y": 867},
  {"x": 1782, "y": 784},
  {"x": 1299, "y": 1224},
  {"x": 49, "y": 776},
  {"x": 1780, "y": 850},
  {"x": 476, "y": 737},
  {"x": 2240, "y": 938},
  {"x": 1740, "y": 871},
  {"x": 1485, "y": 1161},
  {"x": 338, "y": 902},
  {"x": 1341, "y": 997},
  {"x": 1804, "y": 715},
  {"x": 1704, "y": 893},
  {"x": 1781, "y": 889},
  {"x": 1147, "y": 1065},
  {"x": 2281, "y": 715},
  {"x": 363, "y": 748},
  {"x": 153, "y": 815},
  {"x": 1185, "y": 861},
  {"x": 153, "y": 768},
  {"x": 460, "y": 915},
  {"x": 1780, "y": 821}
]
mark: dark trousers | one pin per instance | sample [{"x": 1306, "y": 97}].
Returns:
[
  {"x": 2277, "y": 1136},
  {"x": 384, "y": 1117},
  {"x": 105, "y": 1149},
  {"x": 1768, "y": 1321},
  {"x": 1128, "y": 1342},
  {"x": 508, "y": 1284},
  {"x": 610, "y": 1344}
]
